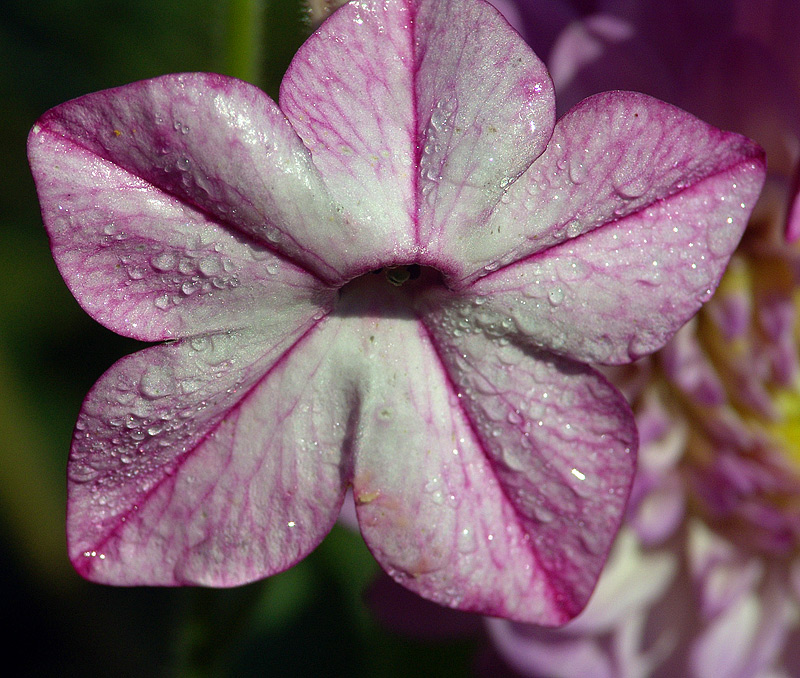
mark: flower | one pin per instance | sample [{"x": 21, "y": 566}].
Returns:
[
  {"x": 388, "y": 282},
  {"x": 704, "y": 578}
]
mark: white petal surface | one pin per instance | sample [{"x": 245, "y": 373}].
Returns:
[
  {"x": 428, "y": 502},
  {"x": 613, "y": 155},
  {"x": 216, "y": 143},
  {"x": 485, "y": 478},
  {"x": 416, "y": 141},
  {"x": 484, "y": 111},
  {"x": 152, "y": 267},
  {"x": 206, "y": 462},
  {"x": 349, "y": 94}
]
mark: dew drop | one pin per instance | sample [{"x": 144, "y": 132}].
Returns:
[
  {"x": 209, "y": 266},
  {"x": 165, "y": 261},
  {"x": 555, "y": 296},
  {"x": 719, "y": 241},
  {"x": 156, "y": 382},
  {"x": 466, "y": 541},
  {"x": 199, "y": 343},
  {"x": 189, "y": 386},
  {"x": 577, "y": 172},
  {"x": 189, "y": 288},
  {"x": 592, "y": 542},
  {"x": 186, "y": 266},
  {"x": 513, "y": 460},
  {"x": 542, "y": 514}
]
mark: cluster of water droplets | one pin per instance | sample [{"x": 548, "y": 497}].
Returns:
[
  {"x": 437, "y": 137},
  {"x": 472, "y": 317},
  {"x": 192, "y": 273},
  {"x": 526, "y": 431},
  {"x": 149, "y": 419},
  {"x": 178, "y": 273}
]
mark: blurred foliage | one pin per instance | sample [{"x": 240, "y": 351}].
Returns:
[{"x": 311, "y": 620}]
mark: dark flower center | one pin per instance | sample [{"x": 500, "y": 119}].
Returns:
[{"x": 408, "y": 284}]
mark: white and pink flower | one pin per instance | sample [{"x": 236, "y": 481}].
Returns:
[{"x": 390, "y": 281}]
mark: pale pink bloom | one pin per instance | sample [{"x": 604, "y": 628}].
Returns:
[{"x": 390, "y": 282}]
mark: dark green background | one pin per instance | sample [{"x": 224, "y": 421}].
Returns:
[{"x": 311, "y": 620}]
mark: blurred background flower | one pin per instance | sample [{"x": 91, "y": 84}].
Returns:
[{"x": 704, "y": 580}]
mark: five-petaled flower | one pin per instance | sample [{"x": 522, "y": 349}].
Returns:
[{"x": 390, "y": 281}]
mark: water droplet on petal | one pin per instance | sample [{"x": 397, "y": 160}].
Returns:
[
  {"x": 577, "y": 172},
  {"x": 556, "y": 296},
  {"x": 156, "y": 382},
  {"x": 165, "y": 261},
  {"x": 466, "y": 541}
]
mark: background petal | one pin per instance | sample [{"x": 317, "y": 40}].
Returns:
[
  {"x": 213, "y": 461},
  {"x": 152, "y": 267},
  {"x": 216, "y": 143}
]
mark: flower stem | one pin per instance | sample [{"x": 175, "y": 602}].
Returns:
[{"x": 244, "y": 40}]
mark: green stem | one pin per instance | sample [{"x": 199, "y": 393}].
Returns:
[
  {"x": 244, "y": 40},
  {"x": 213, "y": 621}
]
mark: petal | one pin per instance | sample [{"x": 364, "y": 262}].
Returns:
[
  {"x": 213, "y": 461},
  {"x": 349, "y": 94},
  {"x": 562, "y": 443},
  {"x": 472, "y": 502},
  {"x": 614, "y": 155},
  {"x": 484, "y": 109},
  {"x": 418, "y": 139},
  {"x": 648, "y": 232},
  {"x": 533, "y": 651},
  {"x": 687, "y": 365},
  {"x": 792, "y": 230},
  {"x": 722, "y": 650},
  {"x": 216, "y": 143},
  {"x": 604, "y": 52},
  {"x": 510, "y": 11},
  {"x": 149, "y": 266},
  {"x": 429, "y": 506},
  {"x": 632, "y": 581}
]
